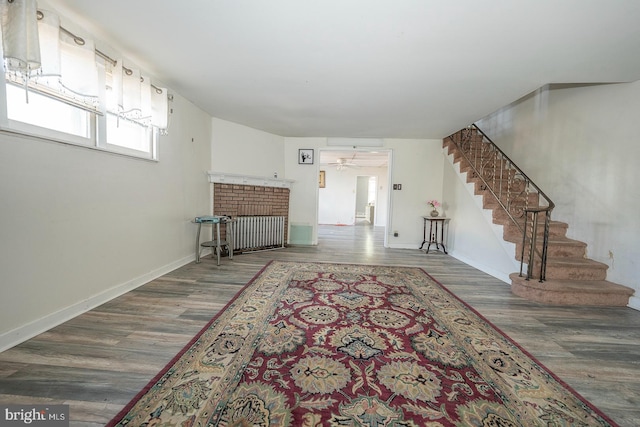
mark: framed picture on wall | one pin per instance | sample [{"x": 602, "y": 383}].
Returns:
[
  {"x": 321, "y": 180},
  {"x": 305, "y": 156}
]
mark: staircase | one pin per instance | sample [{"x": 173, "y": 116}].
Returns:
[{"x": 557, "y": 269}]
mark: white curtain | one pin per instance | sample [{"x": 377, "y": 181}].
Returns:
[
  {"x": 78, "y": 68},
  {"x": 49, "y": 36},
  {"x": 20, "y": 42},
  {"x": 39, "y": 53},
  {"x": 159, "y": 108},
  {"x": 133, "y": 97},
  {"x": 68, "y": 64}
]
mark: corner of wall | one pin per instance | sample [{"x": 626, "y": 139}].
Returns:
[
  {"x": 634, "y": 302},
  {"x": 18, "y": 335}
]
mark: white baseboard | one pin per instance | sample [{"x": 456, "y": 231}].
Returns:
[
  {"x": 634, "y": 302},
  {"x": 497, "y": 274},
  {"x": 22, "y": 333},
  {"x": 403, "y": 245}
]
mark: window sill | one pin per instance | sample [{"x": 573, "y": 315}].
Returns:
[{"x": 51, "y": 139}]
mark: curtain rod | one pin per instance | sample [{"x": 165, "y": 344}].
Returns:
[{"x": 80, "y": 42}]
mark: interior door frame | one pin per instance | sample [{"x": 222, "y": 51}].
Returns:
[{"x": 389, "y": 153}]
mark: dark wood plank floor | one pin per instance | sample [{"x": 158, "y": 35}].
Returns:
[{"x": 98, "y": 361}]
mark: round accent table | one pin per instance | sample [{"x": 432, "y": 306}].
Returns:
[{"x": 436, "y": 232}]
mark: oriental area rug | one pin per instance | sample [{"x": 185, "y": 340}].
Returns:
[{"x": 313, "y": 344}]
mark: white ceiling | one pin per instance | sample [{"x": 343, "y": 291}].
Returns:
[{"x": 366, "y": 68}]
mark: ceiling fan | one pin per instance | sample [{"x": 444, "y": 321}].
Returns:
[{"x": 343, "y": 163}]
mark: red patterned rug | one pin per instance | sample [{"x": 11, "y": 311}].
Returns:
[{"x": 311, "y": 344}]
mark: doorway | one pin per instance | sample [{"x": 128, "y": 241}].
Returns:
[
  {"x": 355, "y": 187},
  {"x": 366, "y": 191}
]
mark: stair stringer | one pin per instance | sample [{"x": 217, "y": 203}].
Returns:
[{"x": 503, "y": 262}]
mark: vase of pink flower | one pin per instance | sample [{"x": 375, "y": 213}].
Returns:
[{"x": 434, "y": 207}]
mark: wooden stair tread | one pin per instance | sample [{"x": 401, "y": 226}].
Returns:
[
  {"x": 587, "y": 286},
  {"x": 565, "y": 241},
  {"x": 558, "y": 247},
  {"x": 556, "y": 235},
  {"x": 582, "y": 262},
  {"x": 553, "y": 240},
  {"x": 571, "y": 292}
]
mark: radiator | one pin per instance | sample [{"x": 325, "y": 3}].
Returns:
[{"x": 255, "y": 233}]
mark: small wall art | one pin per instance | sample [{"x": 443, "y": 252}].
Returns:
[{"x": 305, "y": 156}]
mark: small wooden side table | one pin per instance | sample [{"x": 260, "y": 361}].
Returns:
[
  {"x": 436, "y": 224},
  {"x": 215, "y": 244}
]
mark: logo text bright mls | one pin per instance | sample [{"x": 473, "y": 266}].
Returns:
[{"x": 37, "y": 415}]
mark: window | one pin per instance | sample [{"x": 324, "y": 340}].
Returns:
[
  {"x": 47, "y": 112},
  {"x": 128, "y": 136},
  {"x": 63, "y": 89}
]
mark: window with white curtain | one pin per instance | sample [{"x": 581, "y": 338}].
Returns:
[{"x": 56, "y": 85}]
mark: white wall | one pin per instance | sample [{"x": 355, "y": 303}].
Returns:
[
  {"x": 303, "y": 200},
  {"x": 337, "y": 201},
  {"x": 580, "y": 145},
  {"x": 78, "y": 226},
  {"x": 243, "y": 150},
  {"x": 417, "y": 165},
  {"x": 471, "y": 235}
]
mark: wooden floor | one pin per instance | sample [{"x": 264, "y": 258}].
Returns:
[{"x": 98, "y": 361}]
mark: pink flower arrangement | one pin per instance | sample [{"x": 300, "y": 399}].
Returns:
[{"x": 433, "y": 203}]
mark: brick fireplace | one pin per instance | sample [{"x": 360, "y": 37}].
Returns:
[
  {"x": 241, "y": 195},
  {"x": 243, "y": 200}
]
